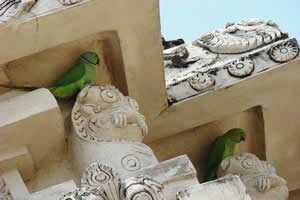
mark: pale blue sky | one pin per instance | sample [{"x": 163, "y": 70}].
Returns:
[{"x": 187, "y": 19}]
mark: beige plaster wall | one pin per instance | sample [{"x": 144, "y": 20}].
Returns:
[{"x": 196, "y": 142}]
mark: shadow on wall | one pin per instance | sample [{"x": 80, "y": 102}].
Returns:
[{"x": 196, "y": 142}]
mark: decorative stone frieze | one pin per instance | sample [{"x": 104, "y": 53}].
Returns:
[
  {"x": 259, "y": 176},
  {"x": 223, "y": 57}
]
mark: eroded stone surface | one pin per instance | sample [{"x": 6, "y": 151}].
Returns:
[
  {"x": 228, "y": 187},
  {"x": 259, "y": 176}
]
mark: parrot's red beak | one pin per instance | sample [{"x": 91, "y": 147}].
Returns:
[
  {"x": 98, "y": 61},
  {"x": 244, "y": 137}
]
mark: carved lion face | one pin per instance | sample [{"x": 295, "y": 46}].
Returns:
[{"x": 243, "y": 164}]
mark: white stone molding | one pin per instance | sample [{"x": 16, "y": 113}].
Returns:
[
  {"x": 222, "y": 58},
  {"x": 259, "y": 176},
  {"x": 225, "y": 188}
]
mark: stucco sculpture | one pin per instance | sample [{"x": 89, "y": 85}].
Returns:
[
  {"x": 259, "y": 176},
  {"x": 107, "y": 126},
  {"x": 225, "y": 56}
]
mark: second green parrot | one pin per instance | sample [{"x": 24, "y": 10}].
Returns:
[
  {"x": 74, "y": 80},
  {"x": 221, "y": 148}
]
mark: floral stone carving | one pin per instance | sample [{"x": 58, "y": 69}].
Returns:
[
  {"x": 103, "y": 111},
  {"x": 259, "y": 176},
  {"x": 4, "y": 191},
  {"x": 101, "y": 183}
]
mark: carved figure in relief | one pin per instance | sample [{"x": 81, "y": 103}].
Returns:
[
  {"x": 222, "y": 147},
  {"x": 103, "y": 111},
  {"x": 241, "y": 37},
  {"x": 12, "y": 9},
  {"x": 259, "y": 176}
]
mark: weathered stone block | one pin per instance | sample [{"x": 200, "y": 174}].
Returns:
[
  {"x": 34, "y": 120},
  {"x": 228, "y": 187}
]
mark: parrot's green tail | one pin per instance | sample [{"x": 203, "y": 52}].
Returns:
[{"x": 26, "y": 88}]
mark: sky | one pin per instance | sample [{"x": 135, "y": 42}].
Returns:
[{"x": 187, "y": 19}]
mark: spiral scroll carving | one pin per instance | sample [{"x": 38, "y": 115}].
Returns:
[{"x": 143, "y": 188}]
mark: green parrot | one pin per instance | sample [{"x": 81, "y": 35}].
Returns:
[
  {"x": 221, "y": 148},
  {"x": 74, "y": 80}
]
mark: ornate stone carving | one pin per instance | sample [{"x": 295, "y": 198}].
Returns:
[
  {"x": 97, "y": 175},
  {"x": 103, "y": 112},
  {"x": 285, "y": 52},
  {"x": 4, "y": 191},
  {"x": 259, "y": 176},
  {"x": 241, "y": 37},
  {"x": 12, "y": 9},
  {"x": 201, "y": 82},
  {"x": 142, "y": 188},
  {"x": 241, "y": 67},
  {"x": 99, "y": 182},
  {"x": 221, "y": 58}
]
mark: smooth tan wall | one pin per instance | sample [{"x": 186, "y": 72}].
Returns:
[{"x": 196, "y": 142}]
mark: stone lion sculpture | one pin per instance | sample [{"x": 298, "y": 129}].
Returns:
[
  {"x": 259, "y": 176},
  {"x": 103, "y": 111}
]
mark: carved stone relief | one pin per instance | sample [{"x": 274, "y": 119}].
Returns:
[
  {"x": 225, "y": 56},
  {"x": 4, "y": 191},
  {"x": 99, "y": 182},
  {"x": 259, "y": 176},
  {"x": 107, "y": 126},
  {"x": 12, "y": 9},
  {"x": 104, "y": 112},
  {"x": 241, "y": 37}
]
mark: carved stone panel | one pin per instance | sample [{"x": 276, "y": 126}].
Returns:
[
  {"x": 259, "y": 176},
  {"x": 224, "y": 57}
]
